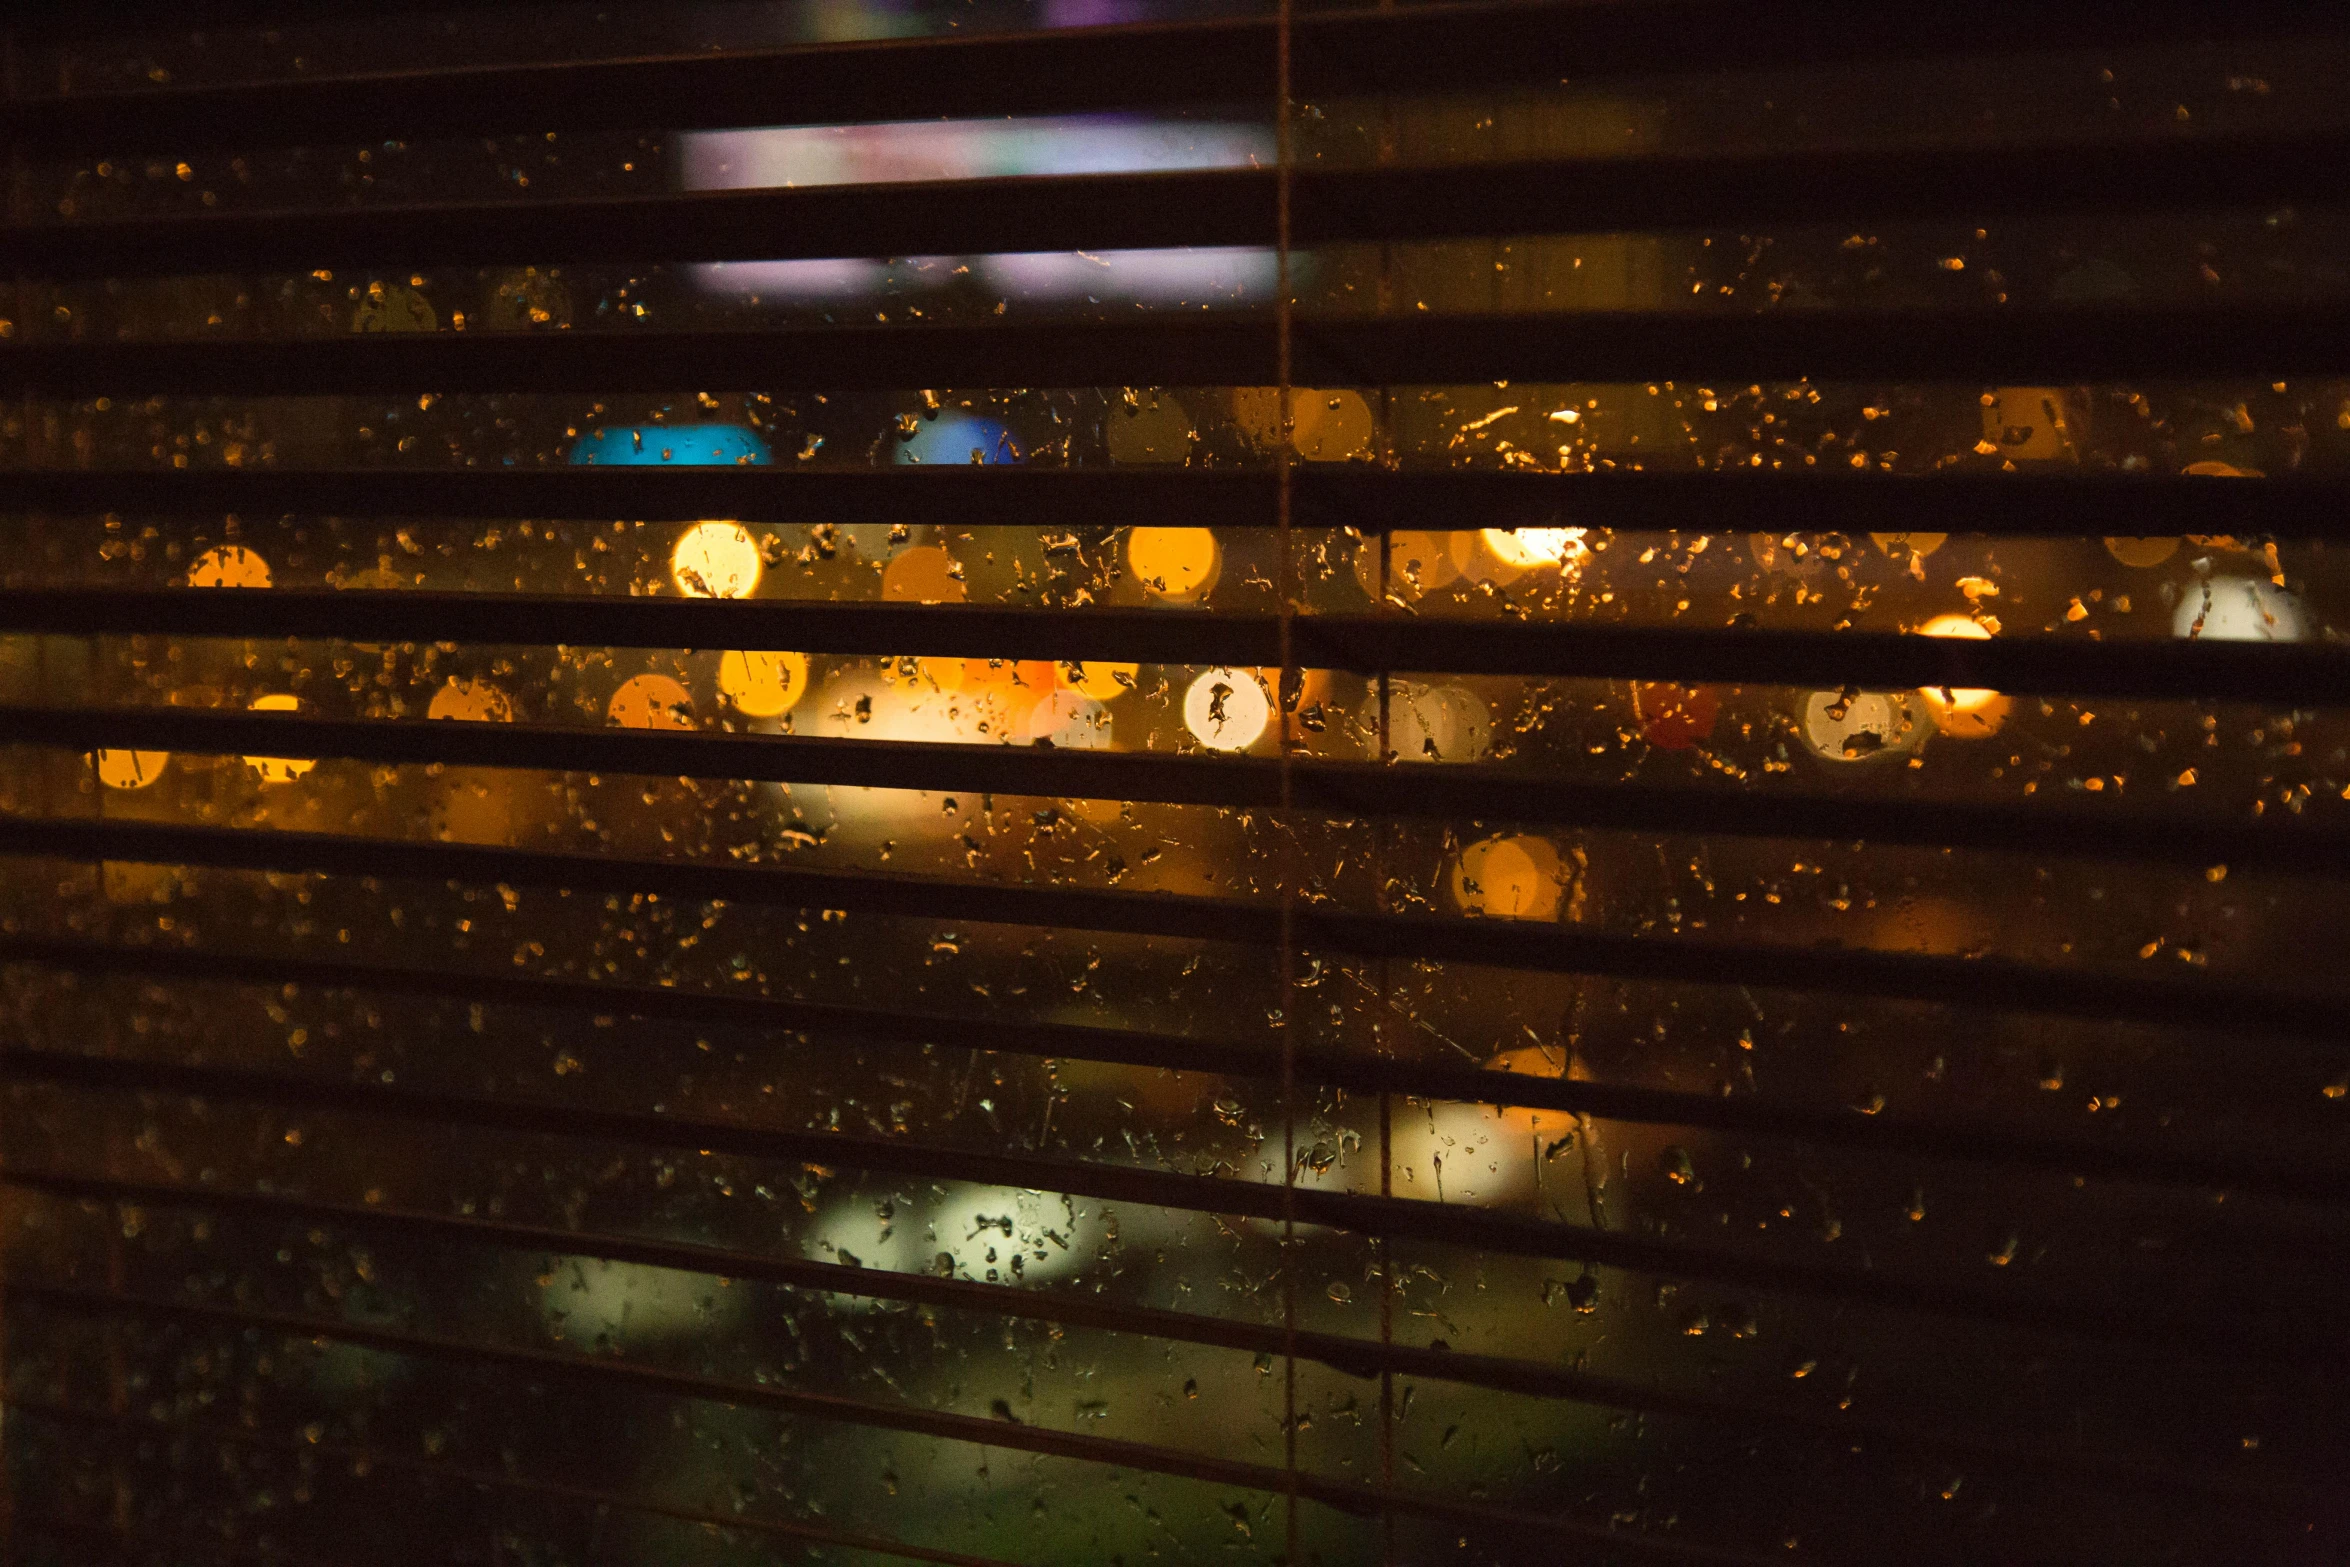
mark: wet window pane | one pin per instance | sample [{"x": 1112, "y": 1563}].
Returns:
[{"x": 1730, "y": 952}]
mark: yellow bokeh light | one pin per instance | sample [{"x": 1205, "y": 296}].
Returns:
[
  {"x": 1102, "y": 682},
  {"x": 1963, "y": 712},
  {"x": 131, "y": 769},
  {"x": 1528, "y": 548},
  {"x": 1521, "y": 1121},
  {"x": 471, "y": 701},
  {"x": 944, "y": 674},
  {"x": 1513, "y": 878},
  {"x": 715, "y": 560},
  {"x": 1858, "y": 727},
  {"x": 763, "y": 685},
  {"x": 1175, "y": 563},
  {"x": 2142, "y": 552},
  {"x": 279, "y": 769},
  {"x": 1324, "y": 425},
  {"x": 1227, "y": 709},
  {"x": 1909, "y": 546},
  {"x": 924, "y": 574},
  {"x": 652, "y": 702},
  {"x": 229, "y": 566},
  {"x": 1418, "y": 562}
]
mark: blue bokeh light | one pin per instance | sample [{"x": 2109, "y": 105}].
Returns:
[
  {"x": 951, "y": 439},
  {"x": 679, "y": 445}
]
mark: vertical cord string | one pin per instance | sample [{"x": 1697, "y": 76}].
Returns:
[
  {"x": 1384, "y": 1246},
  {"x": 1289, "y": 684},
  {"x": 11, "y": 86}
]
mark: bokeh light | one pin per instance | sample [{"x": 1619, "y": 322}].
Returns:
[
  {"x": 1858, "y": 726},
  {"x": 955, "y": 440},
  {"x": 1102, "y": 682},
  {"x": 2142, "y": 552},
  {"x": 229, "y": 566},
  {"x": 1179, "y": 564},
  {"x": 1529, "y": 548},
  {"x": 1069, "y": 721},
  {"x": 1963, "y": 712},
  {"x": 652, "y": 702},
  {"x": 715, "y": 560},
  {"x": 471, "y": 701},
  {"x": 2239, "y": 609},
  {"x": 686, "y": 445},
  {"x": 130, "y": 769},
  {"x": 763, "y": 685},
  {"x": 1434, "y": 723},
  {"x": 1511, "y": 877},
  {"x": 279, "y": 769},
  {"x": 1674, "y": 717},
  {"x": 1227, "y": 709},
  {"x": 924, "y": 574}
]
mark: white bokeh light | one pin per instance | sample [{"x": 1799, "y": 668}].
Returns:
[
  {"x": 2239, "y": 609},
  {"x": 1226, "y": 709}
]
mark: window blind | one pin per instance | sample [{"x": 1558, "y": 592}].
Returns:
[{"x": 1462, "y": 782}]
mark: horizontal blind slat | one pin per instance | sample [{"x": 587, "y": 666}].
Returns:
[
  {"x": 1420, "y": 48},
  {"x": 1346, "y": 1496},
  {"x": 1217, "y": 207},
  {"x": 1446, "y": 791},
  {"x": 1963, "y": 1141},
  {"x": 2010, "y": 345},
  {"x": 1351, "y": 1356},
  {"x": 2248, "y": 1333},
  {"x": 364, "y": 1460},
  {"x": 2082, "y": 503},
  {"x": 1988, "y": 983},
  {"x": 2155, "y": 669}
]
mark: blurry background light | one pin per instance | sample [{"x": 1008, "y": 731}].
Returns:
[
  {"x": 1326, "y": 425},
  {"x": 1963, "y": 712},
  {"x": 2027, "y": 423},
  {"x": 131, "y": 769},
  {"x": 1418, "y": 563},
  {"x": 959, "y": 439},
  {"x": 229, "y": 566},
  {"x": 763, "y": 685},
  {"x": 973, "y": 1232},
  {"x": 1512, "y": 878},
  {"x": 1227, "y": 709},
  {"x": 1233, "y": 273},
  {"x": 652, "y": 702},
  {"x": 1070, "y": 721},
  {"x": 2153, "y": 551},
  {"x": 1528, "y": 548},
  {"x": 471, "y": 701},
  {"x": 1910, "y": 549},
  {"x": 279, "y": 769},
  {"x": 2239, "y": 609},
  {"x": 1434, "y": 723},
  {"x": 924, "y": 574},
  {"x": 801, "y": 155},
  {"x": 603, "y": 1305},
  {"x": 1788, "y": 554},
  {"x": 1179, "y": 564},
  {"x": 715, "y": 560},
  {"x": 1674, "y": 717},
  {"x": 1102, "y": 682},
  {"x": 2142, "y": 552},
  {"x": 684, "y": 445},
  {"x": 1858, "y": 726}
]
